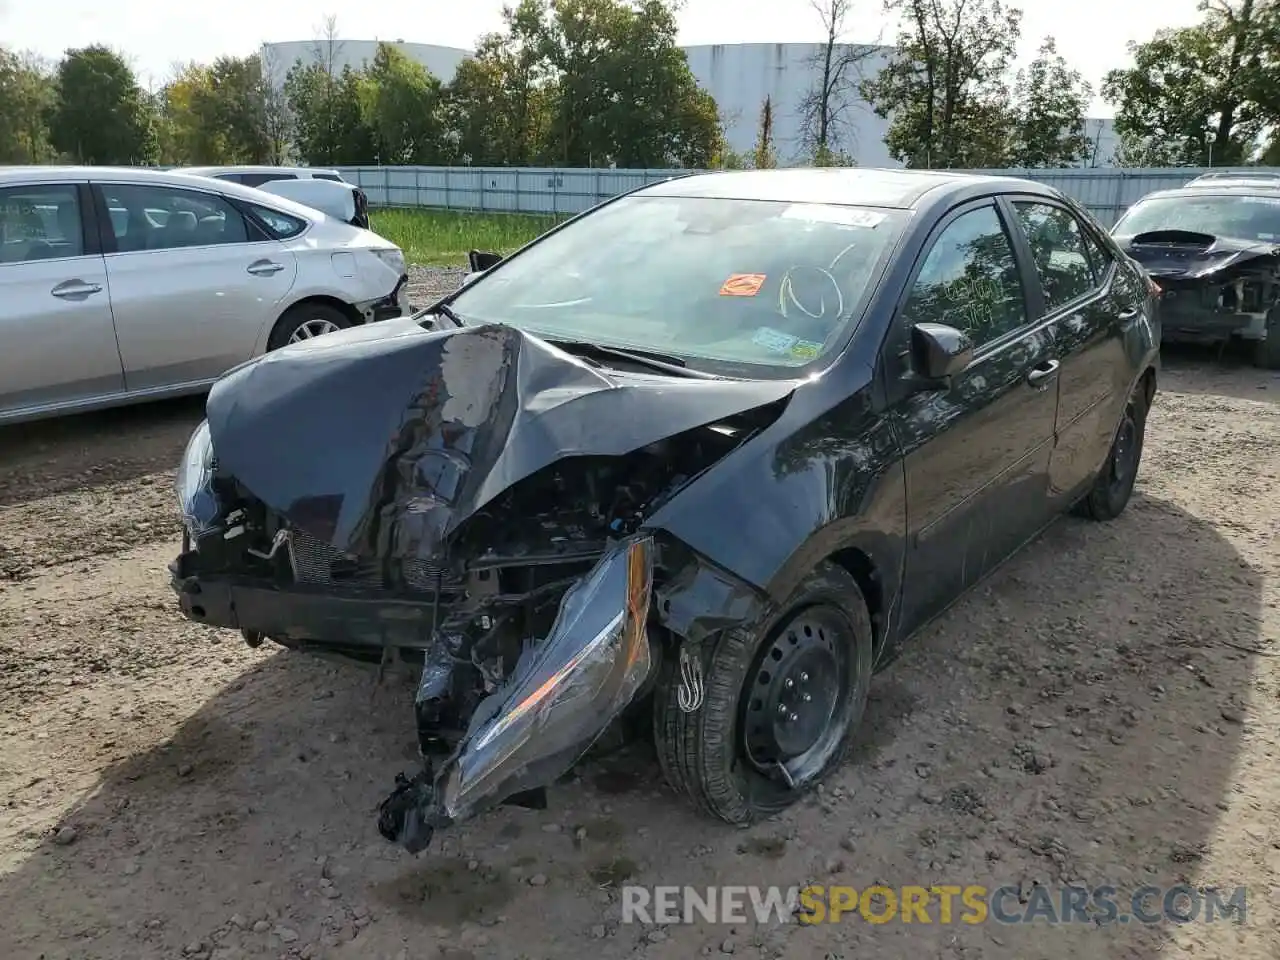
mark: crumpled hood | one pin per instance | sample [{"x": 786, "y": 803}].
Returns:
[
  {"x": 384, "y": 438},
  {"x": 1187, "y": 255}
]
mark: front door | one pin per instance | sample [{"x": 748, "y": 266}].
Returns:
[
  {"x": 193, "y": 284},
  {"x": 57, "y": 340},
  {"x": 977, "y": 451}
]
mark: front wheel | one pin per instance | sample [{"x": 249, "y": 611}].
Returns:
[
  {"x": 306, "y": 321},
  {"x": 784, "y": 698},
  {"x": 1266, "y": 352}
]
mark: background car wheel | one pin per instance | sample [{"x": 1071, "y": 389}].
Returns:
[
  {"x": 790, "y": 688},
  {"x": 306, "y": 321},
  {"x": 1266, "y": 352},
  {"x": 1114, "y": 484}
]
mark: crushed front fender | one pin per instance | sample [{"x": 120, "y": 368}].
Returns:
[{"x": 563, "y": 694}]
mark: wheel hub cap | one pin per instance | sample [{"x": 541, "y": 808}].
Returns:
[
  {"x": 793, "y": 694},
  {"x": 311, "y": 329}
]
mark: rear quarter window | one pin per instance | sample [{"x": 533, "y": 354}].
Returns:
[{"x": 281, "y": 226}]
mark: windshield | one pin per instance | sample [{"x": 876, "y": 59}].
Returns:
[
  {"x": 718, "y": 283},
  {"x": 1240, "y": 217}
]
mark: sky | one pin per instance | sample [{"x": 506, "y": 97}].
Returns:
[{"x": 157, "y": 34}]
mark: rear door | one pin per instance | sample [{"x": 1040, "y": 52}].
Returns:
[
  {"x": 193, "y": 282},
  {"x": 1091, "y": 304},
  {"x": 57, "y": 340},
  {"x": 977, "y": 451}
]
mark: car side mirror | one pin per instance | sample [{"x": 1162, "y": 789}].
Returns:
[
  {"x": 480, "y": 261},
  {"x": 938, "y": 353}
]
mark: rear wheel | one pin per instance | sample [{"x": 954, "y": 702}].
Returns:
[
  {"x": 305, "y": 321},
  {"x": 1114, "y": 484},
  {"x": 784, "y": 698}
]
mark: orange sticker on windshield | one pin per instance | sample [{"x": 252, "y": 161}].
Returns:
[{"x": 742, "y": 285}]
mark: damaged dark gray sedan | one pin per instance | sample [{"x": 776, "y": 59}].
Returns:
[
  {"x": 1213, "y": 247},
  {"x": 705, "y": 455}
]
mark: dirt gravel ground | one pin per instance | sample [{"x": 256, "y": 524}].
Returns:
[{"x": 1103, "y": 710}]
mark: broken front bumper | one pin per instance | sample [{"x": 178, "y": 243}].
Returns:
[
  {"x": 395, "y": 304},
  {"x": 1186, "y": 317},
  {"x": 563, "y": 693}
]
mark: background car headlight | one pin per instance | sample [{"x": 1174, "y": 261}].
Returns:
[
  {"x": 393, "y": 257},
  {"x": 565, "y": 692},
  {"x": 194, "y": 483}
]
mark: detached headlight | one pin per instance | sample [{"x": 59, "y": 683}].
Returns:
[
  {"x": 393, "y": 257},
  {"x": 563, "y": 694},
  {"x": 194, "y": 483}
]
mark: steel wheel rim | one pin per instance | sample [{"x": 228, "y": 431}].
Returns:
[
  {"x": 310, "y": 329},
  {"x": 777, "y": 725},
  {"x": 1125, "y": 451}
]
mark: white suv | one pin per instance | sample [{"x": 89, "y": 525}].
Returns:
[
  {"x": 120, "y": 285},
  {"x": 256, "y": 176}
]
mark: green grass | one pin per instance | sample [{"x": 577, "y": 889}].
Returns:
[{"x": 443, "y": 237}]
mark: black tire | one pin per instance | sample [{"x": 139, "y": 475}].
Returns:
[
  {"x": 302, "y": 314},
  {"x": 1266, "y": 352},
  {"x": 704, "y": 754},
  {"x": 1113, "y": 486}
]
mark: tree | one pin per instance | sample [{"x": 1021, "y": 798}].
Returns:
[
  {"x": 237, "y": 107},
  {"x": 1201, "y": 95},
  {"x": 944, "y": 90},
  {"x": 1049, "y": 103},
  {"x": 324, "y": 101},
  {"x": 823, "y": 111},
  {"x": 26, "y": 95},
  {"x": 184, "y": 131},
  {"x": 329, "y": 125},
  {"x": 765, "y": 154},
  {"x": 100, "y": 114},
  {"x": 277, "y": 121},
  {"x": 498, "y": 108},
  {"x": 401, "y": 106},
  {"x": 624, "y": 91}
]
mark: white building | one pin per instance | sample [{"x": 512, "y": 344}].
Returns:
[
  {"x": 278, "y": 58},
  {"x": 740, "y": 76}
]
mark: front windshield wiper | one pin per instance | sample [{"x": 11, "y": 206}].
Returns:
[
  {"x": 442, "y": 310},
  {"x": 645, "y": 358}
]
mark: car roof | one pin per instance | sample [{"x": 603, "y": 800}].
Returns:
[
  {"x": 1221, "y": 175},
  {"x": 252, "y": 168},
  {"x": 843, "y": 186},
  {"x": 1218, "y": 188},
  {"x": 51, "y": 174}
]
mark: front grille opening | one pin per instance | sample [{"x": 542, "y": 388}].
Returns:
[{"x": 318, "y": 563}]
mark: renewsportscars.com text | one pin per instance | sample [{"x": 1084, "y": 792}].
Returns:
[{"x": 935, "y": 904}]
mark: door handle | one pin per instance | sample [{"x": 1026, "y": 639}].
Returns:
[
  {"x": 264, "y": 268},
  {"x": 75, "y": 289},
  {"x": 1041, "y": 376}
]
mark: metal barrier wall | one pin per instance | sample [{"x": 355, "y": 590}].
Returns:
[{"x": 1106, "y": 191}]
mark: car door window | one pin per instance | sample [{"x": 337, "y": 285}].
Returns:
[
  {"x": 40, "y": 223},
  {"x": 1100, "y": 258},
  {"x": 165, "y": 218},
  {"x": 1059, "y": 250},
  {"x": 970, "y": 280}
]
